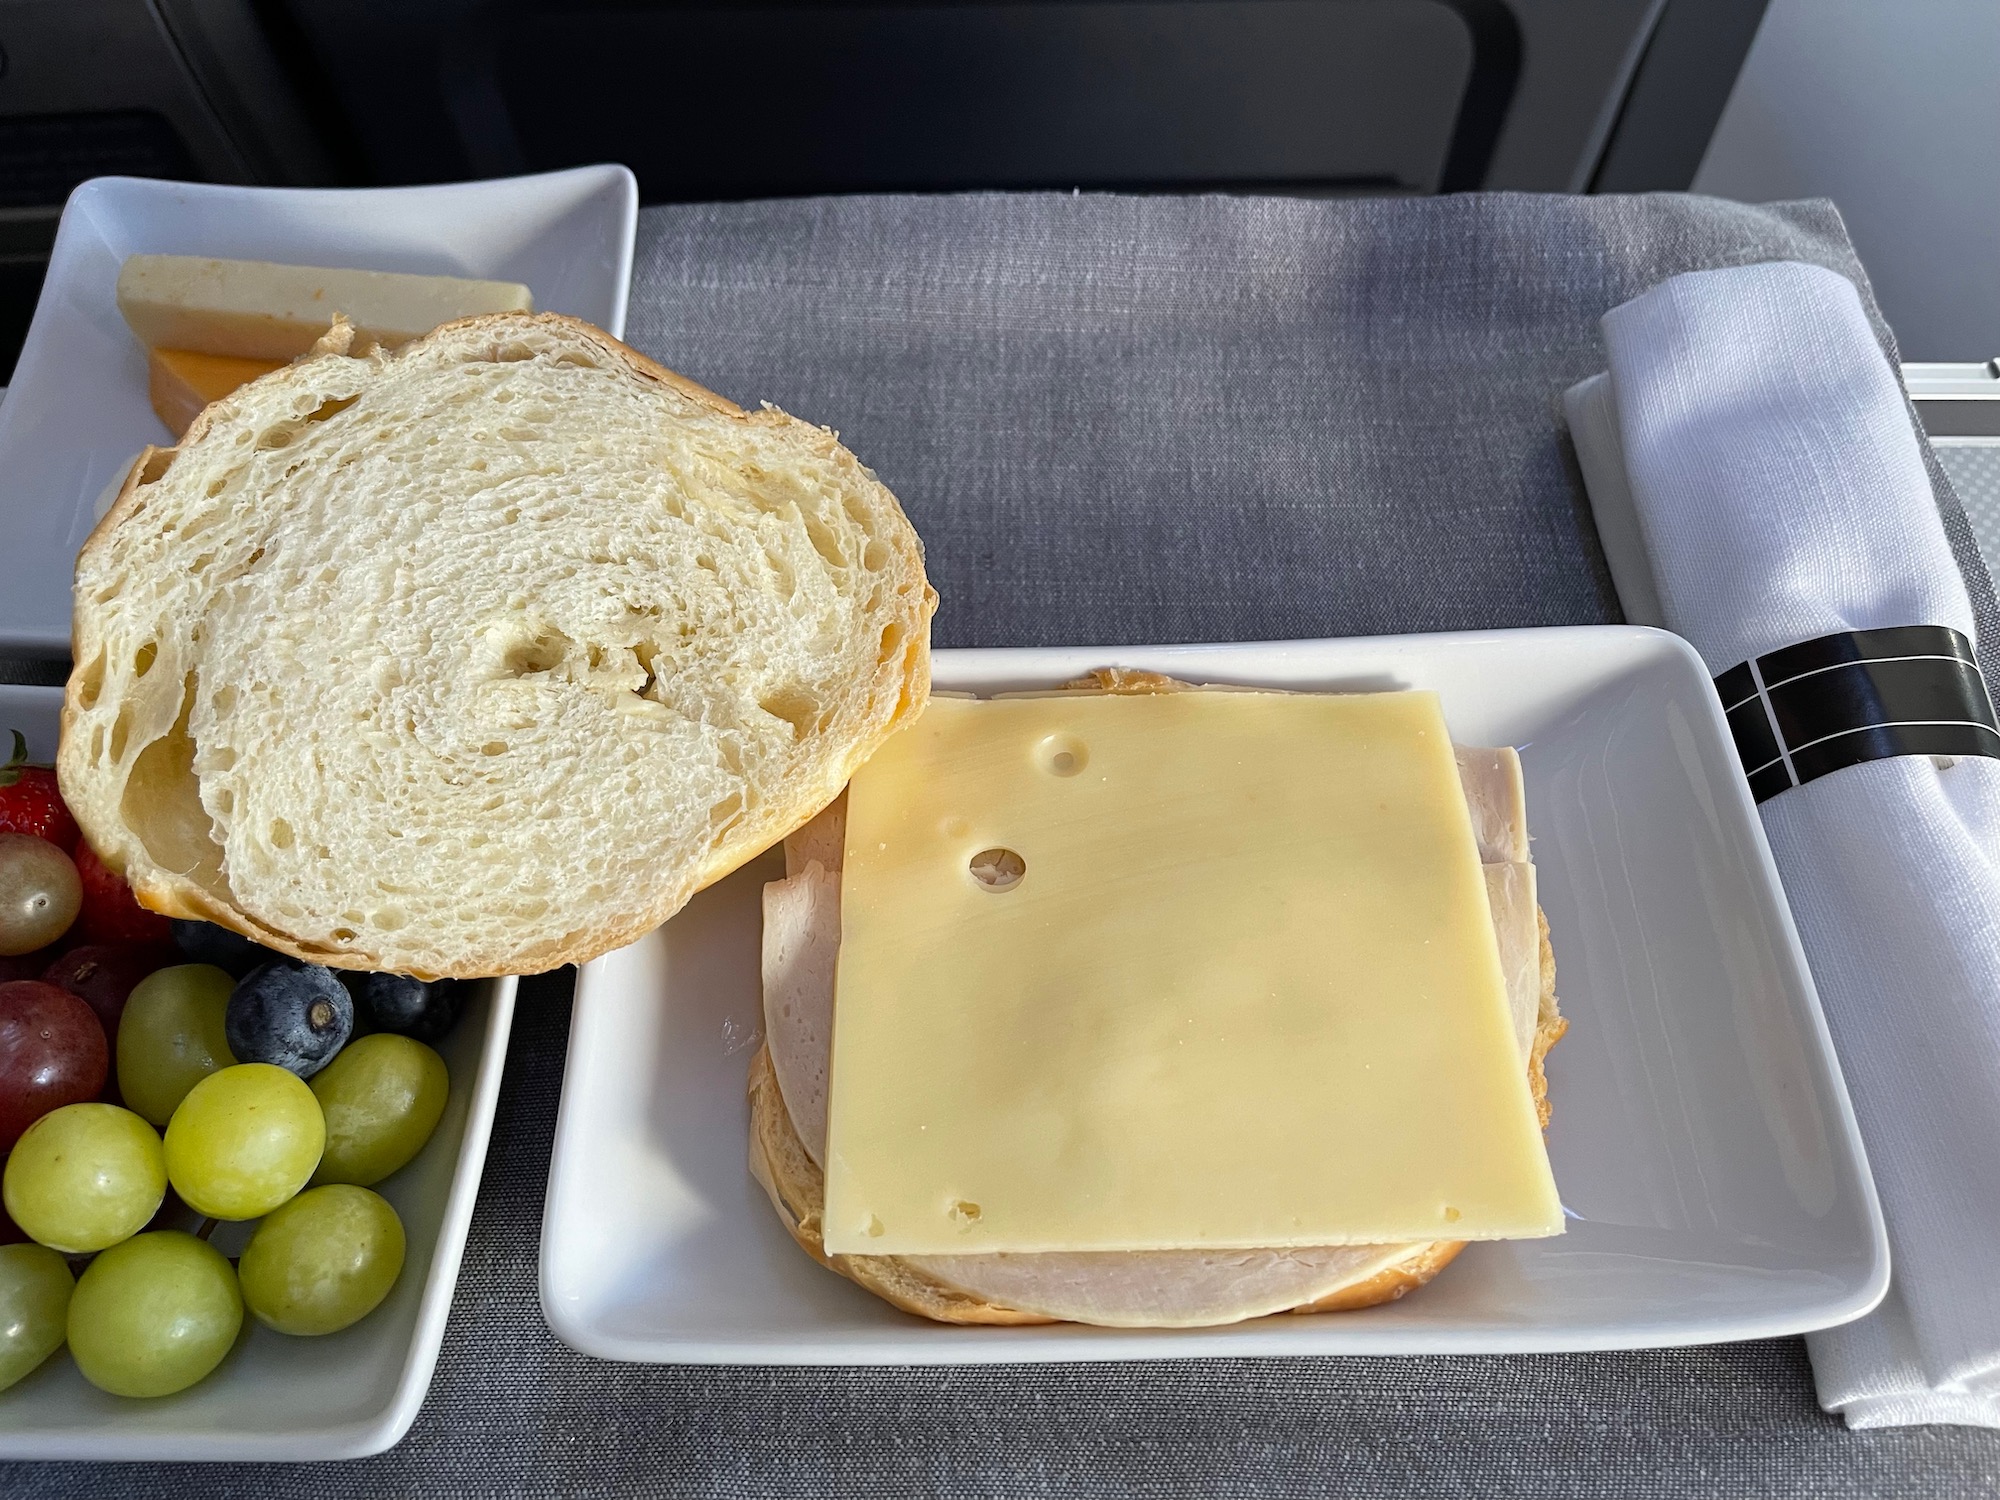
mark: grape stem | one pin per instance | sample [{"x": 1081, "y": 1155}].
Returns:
[{"x": 207, "y": 1228}]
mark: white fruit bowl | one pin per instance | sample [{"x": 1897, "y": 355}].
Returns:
[{"x": 341, "y": 1396}]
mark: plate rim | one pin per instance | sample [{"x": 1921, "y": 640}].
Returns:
[{"x": 925, "y": 1344}]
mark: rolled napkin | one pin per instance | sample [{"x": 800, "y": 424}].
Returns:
[{"x": 1759, "y": 484}]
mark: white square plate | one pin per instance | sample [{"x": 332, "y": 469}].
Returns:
[
  {"x": 1702, "y": 1137},
  {"x": 77, "y": 411},
  {"x": 342, "y": 1396}
]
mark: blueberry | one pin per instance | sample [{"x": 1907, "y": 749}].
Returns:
[
  {"x": 419, "y": 1008},
  {"x": 206, "y": 943},
  {"x": 291, "y": 1014}
]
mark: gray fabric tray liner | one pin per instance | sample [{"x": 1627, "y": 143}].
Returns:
[{"x": 1123, "y": 419}]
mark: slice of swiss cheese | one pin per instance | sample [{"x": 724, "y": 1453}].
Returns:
[
  {"x": 1145, "y": 1288},
  {"x": 1248, "y": 924},
  {"x": 801, "y": 934}
]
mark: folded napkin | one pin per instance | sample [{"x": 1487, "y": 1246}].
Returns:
[{"x": 1758, "y": 484}]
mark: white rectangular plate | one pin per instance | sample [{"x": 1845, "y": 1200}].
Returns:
[
  {"x": 77, "y": 412},
  {"x": 1702, "y": 1138},
  {"x": 342, "y": 1396}
]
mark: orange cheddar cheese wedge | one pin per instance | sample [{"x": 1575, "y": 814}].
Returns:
[{"x": 181, "y": 382}]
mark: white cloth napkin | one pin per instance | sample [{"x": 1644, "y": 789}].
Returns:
[{"x": 1776, "y": 492}]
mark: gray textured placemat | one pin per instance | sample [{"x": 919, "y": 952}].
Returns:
[
  {"x": 1974, "y": 468},
  {"x": 1139, "y": 419}
]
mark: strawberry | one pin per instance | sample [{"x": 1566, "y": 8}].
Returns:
[
  {"x": 30, "y": 803},
  {"x": 109, "y": 913}
]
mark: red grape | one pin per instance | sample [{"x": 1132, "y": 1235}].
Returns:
[
  {"x": 52, "y": 1053},
  {"x": 102, "y": 976}
]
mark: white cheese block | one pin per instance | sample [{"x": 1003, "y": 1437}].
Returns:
[
  {"x": 252, "y": 309},
  {"x": 1230, "y": 980}
]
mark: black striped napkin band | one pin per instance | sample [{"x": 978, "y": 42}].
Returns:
[{"x": 1857, "y": 696}]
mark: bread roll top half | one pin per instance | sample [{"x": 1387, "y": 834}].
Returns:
[{"x": 482, "y": 656}]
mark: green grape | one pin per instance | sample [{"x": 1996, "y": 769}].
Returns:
[
  {"x": 382, "y": 1097},
  {"x": 34, "y": 1305},
  {"x": 40, "y": 893},
  {"x": 244, "y": 1140},
  {"x": 84, "y": 1177},
  {"x": 154, "y": 1315},
  {"x": 170, "y": 1037},
  {"x": 323, "y": 1261}
]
